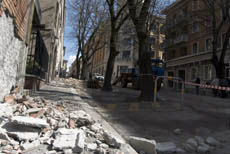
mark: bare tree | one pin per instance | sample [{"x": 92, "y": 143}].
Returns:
[
  {"x": 214, "y": 16},
  {"x": 144, "y": 13},
  {"x": 86, "y": 17},
  {"x": 118, "y": 16}
]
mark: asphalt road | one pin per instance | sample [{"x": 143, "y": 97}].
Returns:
[{"x": 201, "y": 115}]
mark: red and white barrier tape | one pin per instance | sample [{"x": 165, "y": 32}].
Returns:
[{"x": 207, "y": 86}]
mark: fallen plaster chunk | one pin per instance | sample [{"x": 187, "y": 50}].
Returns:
[
  {"x": 112, "y": 140},
  {"x": 81, "y": 137},
  {"x": 21, "y": 132},
  {"x": 192, "y": 142},
  {"x": 81, "y": 118},
  {"x": 65, "y": 138},
  {"x": 3, "y": 135},
  {"x": 29, "y": 121},
  {"x": 203, "y": 148},
  {"x": 142, "y": 144},
  {"x": 166, "y": 147},
  {"x": 91, "y": 146},
  {"x": 199, "y": 140},
  {"x": 212, "y": 141},
  {"x": 30, "y": 146},
  {"x": 5, "y": 110}
]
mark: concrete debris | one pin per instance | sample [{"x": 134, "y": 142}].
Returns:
[
  {"x": 104, "y": 146},
  {"x": 3, "y": 135},
  {"x": 67, "y": 151},
  {"x": 112, "y": 140},
  {"x": 5, "y": 110},
  {"x": 142, "y": 144},
  {"x": 166, "y": 147},
  {"x": 199, "y": 140},
  {"x": 180, "y": 151},
  {"x": 203, "y": 148},
  {"x": 212, "y": 141},
  {"x": 29, "y": 146},
  {"x": 91, "y": 146},
  {"x": 192, "y": 142},
  {"x": 28, "y": 123},
  {"x": 177, "y": 131},
  {"x": 80, "y": 142},
  {"x": 81, "y": 118},
  {"x": 189, "y": 148}
]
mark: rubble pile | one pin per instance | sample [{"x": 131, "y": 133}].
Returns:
[{"x": 28, "y": 123}]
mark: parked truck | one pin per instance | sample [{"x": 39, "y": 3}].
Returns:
[{"x": 132, "y": 75}]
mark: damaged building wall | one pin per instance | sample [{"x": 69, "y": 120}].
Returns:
[
  {"x": 12, "y": 47},
  {"x": 53, "y": 13}
]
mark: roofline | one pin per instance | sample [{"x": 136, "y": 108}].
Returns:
[
  {"x": 170, "y": 6},
  {"x": 38, "y": 9}
]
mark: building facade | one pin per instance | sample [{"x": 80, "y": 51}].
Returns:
[
  {"x": 128, "y": 48},
  {"x": 188, "y": 42},
  {"x": 16, "y": 21},
  {"x": 53, "y": 12}
]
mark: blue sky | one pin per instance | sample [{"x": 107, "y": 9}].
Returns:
[{"x": 69, "y": 42}]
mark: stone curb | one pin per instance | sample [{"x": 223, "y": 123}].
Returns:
[{"x": 126, "y": 148}]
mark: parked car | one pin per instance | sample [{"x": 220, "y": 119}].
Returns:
[{"x": 98, "y": 77}]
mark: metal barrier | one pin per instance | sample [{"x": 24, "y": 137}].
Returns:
[{"x": 169, "y": 78}]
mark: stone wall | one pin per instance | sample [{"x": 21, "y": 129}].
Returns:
[{"x": 12, "y": 55}]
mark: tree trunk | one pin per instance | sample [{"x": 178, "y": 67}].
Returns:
[
  {"x": 78, "y": 68},
  {"x": 146, "y": 78},
  {"x": 220, "y": 70},
  {"x": 83, "y": 70},
  {"x": 111, "y": 61}
]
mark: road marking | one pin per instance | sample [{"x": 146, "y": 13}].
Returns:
[{"x": 133, "y": 107}]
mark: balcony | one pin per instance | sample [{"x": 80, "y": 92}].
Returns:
[
  {"x": 181, "y": 39},
  {"x": 171, "y": 42},
  {"x": 171, "y": 24},
  {"x": 124, "y": 59}
]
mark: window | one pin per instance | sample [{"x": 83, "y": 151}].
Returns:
[
  {"x": 153, "y": 27},
  {"x": 193, "y": 74},
  {"x": 153, "y": 41},
  {"x": 153, "y": 54},
  {"x": 221, "y": 14},
  {"x": 123, "y": 68},
  {"x": 208, "y": 23},
  {"x": 208, "y": 44},
  {"x": 208, "y": 72},
  {"x": 125, "y": 54},
  {"x": 195, "y": 48},
  {"x": 195, "y": 4},
  {"x": 195, "y": 27},
  {"x": 184, "y": 12},
  {"x": 172, "y": 54},
  {"x": 183, "y": 51}
]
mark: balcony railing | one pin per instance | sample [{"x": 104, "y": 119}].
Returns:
[
  {"x": 170, "y": 42},
  {"x": 124, "y": 59},
  {"x": 181, "y": 38},
  {"x": 172, "y": 23}
]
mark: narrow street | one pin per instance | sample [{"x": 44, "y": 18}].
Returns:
[
  {"x": 68, "y": 70},
  {"x": 200, "y": 116}
]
